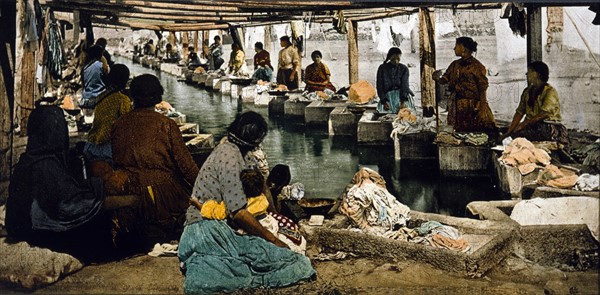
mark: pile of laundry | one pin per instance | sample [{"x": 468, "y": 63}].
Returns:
[
  {"x": 460, "y": 138},
  {"x": 524, "y": 155},
  {"x": 407, "y": 122},
  {"x": 373, "y": 210}
]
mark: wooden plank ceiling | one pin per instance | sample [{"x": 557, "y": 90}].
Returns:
[{"x": 193, "y": 15}]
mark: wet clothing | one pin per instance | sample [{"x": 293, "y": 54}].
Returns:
[
  {"x": 43, "y": 197},
  {"x": 215, "y": 258},
  {"x": 110, "y": 106},
  {"x": 468, "y": 109},
  {"x": 150, "y": 149},
  {"x": 392, "y": 85},
  {"x": 317, "y": 72},
  {"x": 288, "y": 58}
]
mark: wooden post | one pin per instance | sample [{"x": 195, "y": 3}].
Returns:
[
  {"x": 352, "y": 51},
  {"x": 25, "y": 73},
  {"x": 76, "y": 26},
  {"x": 205, "y": 37},
  {"x": 185, "y": 41},
  {"x": 7, "y": 45},
  {"x": 427, "y": 56},
  {"x": 267, "y": 40},
  {"x": 172, "y": 39},
  {"x": 534, "y": 34},
  {"x": 198, "y": 49}
]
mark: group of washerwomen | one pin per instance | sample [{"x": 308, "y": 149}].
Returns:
[
  {"x": 537, "y": 116},
  {"x": 134, "y": 150},
  {"x": 138, "y": 151}
]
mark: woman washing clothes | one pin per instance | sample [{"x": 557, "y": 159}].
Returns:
[
  {"x": 468, "y": 109},
  {"x": 540, "y": 106},
  {"x": 392, "y": 83},
  {"x": 317, "y": 75},
  {"x": 214, "y": 257}
]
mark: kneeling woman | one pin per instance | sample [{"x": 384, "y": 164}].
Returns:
[{"x": 215, "y": 258}]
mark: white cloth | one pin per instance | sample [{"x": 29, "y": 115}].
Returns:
[
  {"x": 371, "y": 205},
  {"x": 294, "y": 191},
  {"x": 587, "y": 182},
  {"x": 163, "y": 250},
  {"x": 566, "y": 210}
]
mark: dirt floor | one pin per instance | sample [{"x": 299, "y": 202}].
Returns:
[{"x": 161, "y": 275}]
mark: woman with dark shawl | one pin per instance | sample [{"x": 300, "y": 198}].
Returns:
[
  {"x": 149, "y": 148},
  {"x": 47, "y": 206},
  {"x": 214, "y": 257},
  {"x": 317, "y": 75},
  {"x": 468, "y": 109},
  {"x": 392, "y": 83}
]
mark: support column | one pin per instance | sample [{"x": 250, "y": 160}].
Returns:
[
  {"x": 534, "y": 34},
  {"x": 267, "y": 40},
  {"x": 76, "y": 26},
  {"x": 427, "y": 58},
  {"x": 198, "y": 49},
  {"x": 185, "y": 42},
  {"x": 352, "y": 51},
  {"x": 7, "y": 45},
  {"x": 172, "y": 39}
]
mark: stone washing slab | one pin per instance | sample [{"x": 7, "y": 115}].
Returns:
[{"x": 490, "y": 243}]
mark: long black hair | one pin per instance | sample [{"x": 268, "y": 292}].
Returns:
[
  {"x": 468, "y": 43},
  {"x": 248, "y": 130},
  {"x": 393, "y": 51}
]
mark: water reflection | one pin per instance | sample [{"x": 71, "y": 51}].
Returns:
[{"x": 326, "y": 164}]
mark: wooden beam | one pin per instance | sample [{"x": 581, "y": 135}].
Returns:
[
  {"x": 383, "y": 15},
  {"x": 427, "y": 56},
  {"x": 534, "y": 34},
  {"x": 352, "y": 51}
]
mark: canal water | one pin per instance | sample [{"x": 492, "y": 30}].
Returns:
[{"x": 326, "y": 164}]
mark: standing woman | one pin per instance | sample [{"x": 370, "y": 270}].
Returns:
[
  {"x": 392, "y": 82},
  {"x": 468, "y": 109},
  {"x": 289, "y": 62}
]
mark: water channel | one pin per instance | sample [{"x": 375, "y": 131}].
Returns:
[{"x": 326, "y": 164}]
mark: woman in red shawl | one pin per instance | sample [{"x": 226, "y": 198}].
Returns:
[{"x": 316, "y": 75}]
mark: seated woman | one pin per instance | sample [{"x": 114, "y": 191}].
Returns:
[
  {"x": 110, "y": 106},
  {"x": 149, "y": 149},
  {"x": 236, "y": 60},
  {"x": 213, "y": 256},
  {"x": 540, "y": 106},
  {"x": 392, "y": 83},
  {"x": 172, "y": 55},
  {"x": 316, "y": 75},
  {"x": 263, "y": 70},
  {"x": 47, "y": 206}
]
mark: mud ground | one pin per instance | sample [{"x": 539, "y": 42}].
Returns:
[{"x": 354, "y": 275}]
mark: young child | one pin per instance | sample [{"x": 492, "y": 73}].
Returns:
[{"x": 284, "y": 228}]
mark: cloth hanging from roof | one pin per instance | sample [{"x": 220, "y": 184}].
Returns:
[
  {"x": 517, "y": 18},
  {"x": 55, "y": 49},
  {"x": 31, "y": 27},
  {"x": 339, "y": 22}
]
